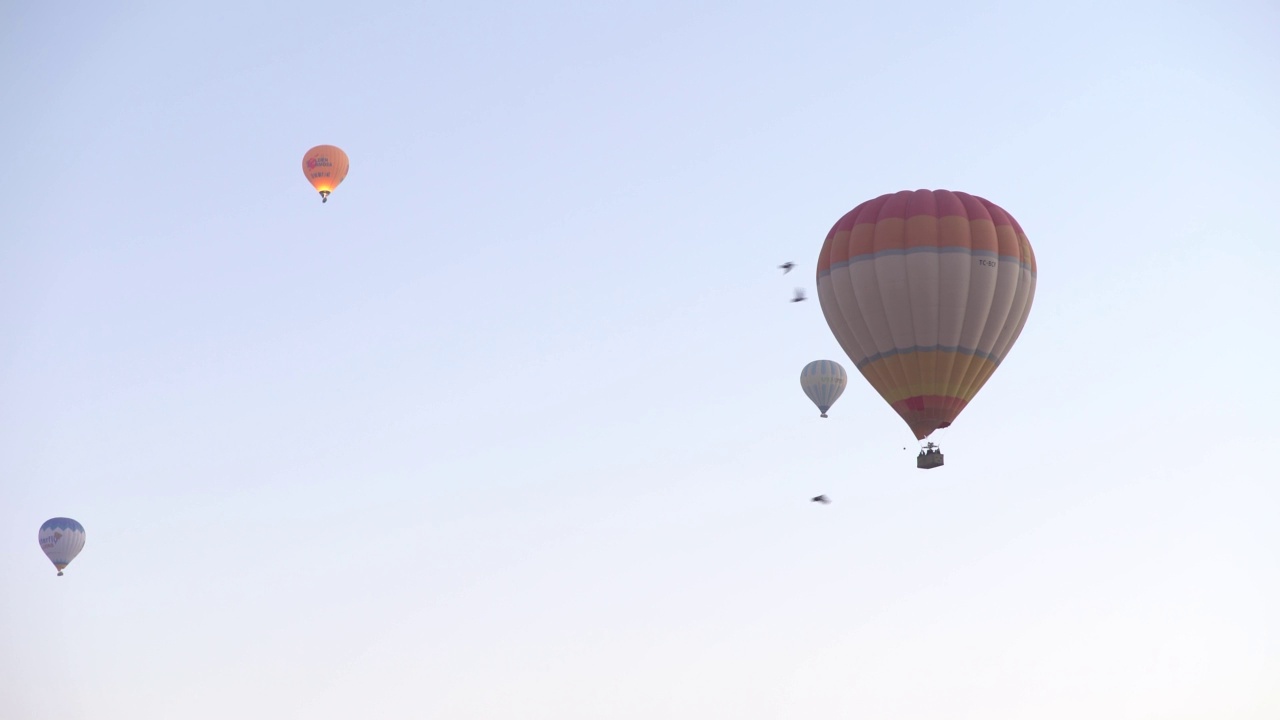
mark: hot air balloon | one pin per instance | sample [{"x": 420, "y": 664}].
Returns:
[
  {"x": 61, "y": 539},
  {"x": 823, "y": 381},
  {"x": 325, "y": 167},
  {"x": 926, "y": 291}
]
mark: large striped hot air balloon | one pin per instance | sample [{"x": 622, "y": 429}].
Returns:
[
  {"x": 325, "y": 167},
  {"x": 61, "y": 539},
  {"x": 823, "y": 381},
  {"x": 926, "y": 291}
]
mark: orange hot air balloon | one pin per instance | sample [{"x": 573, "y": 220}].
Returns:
[
  {"x": 926, "y": 291},
  {"x": 325, "y": 167}
]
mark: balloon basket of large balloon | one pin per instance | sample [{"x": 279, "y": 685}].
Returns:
[{"x": 930, "y": 457}]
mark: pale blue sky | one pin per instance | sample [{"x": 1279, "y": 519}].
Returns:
[{"x": 511, "y": 428}]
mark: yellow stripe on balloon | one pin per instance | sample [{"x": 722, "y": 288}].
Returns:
[{"x": 937, "y": 373}]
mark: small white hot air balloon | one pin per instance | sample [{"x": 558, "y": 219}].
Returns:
[
  {"x": 823, "y": 381},
  {"x": 61, "y": 539}
]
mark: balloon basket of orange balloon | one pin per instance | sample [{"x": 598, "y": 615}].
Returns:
[{"x": 930, "y": 457}]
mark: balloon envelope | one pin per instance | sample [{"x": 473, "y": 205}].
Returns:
[
  {"x": 926, "y": 291},
  {"x": 325, "y": 167},
  {"x": 823, "y": 381},
  {"x": 61, "y": 539}
]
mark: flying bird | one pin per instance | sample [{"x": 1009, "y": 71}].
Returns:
[
  {"x": 786, "y": 267},
  {"x": 822, "y": 499},
  {"x": 799, "y": 296}
]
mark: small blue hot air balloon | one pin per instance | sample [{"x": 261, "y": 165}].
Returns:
[
  {"x": 823, "y": 381},
  {"x": 61, "y": 539}
]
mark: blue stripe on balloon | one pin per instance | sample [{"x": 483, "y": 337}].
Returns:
[
  {"x": 61, "y": 524},
  {"x": 927, "y": 348},
  {"x": 865, "y": 257}
]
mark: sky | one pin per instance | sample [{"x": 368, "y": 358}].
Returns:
[{"x": 511, "y": 428}]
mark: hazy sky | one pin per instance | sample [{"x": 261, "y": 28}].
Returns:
[{"x": 511, "y": 428}]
